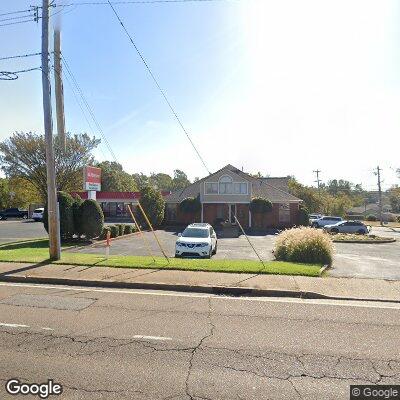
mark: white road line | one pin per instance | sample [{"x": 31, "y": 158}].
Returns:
[
  {"x": 152, "y": 337},
  {"x": 144, "y": 292},
  {"x": 48, "y": 329},
  {"x": 13, "y": 325}
]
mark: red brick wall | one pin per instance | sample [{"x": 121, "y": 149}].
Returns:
[{"x": 294, "y": 213}]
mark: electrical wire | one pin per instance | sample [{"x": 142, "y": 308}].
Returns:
[
  {"x": 20, "y": 56},
  {"x": 160, "y": 89},
  {"x": 18, "y": 22},
  {"x": 85, "y": 102},
  {"x": 13, "y": 75},
  {"x": 16, "y": 12},
  {"x": 76, "y": 98},
  {"x": 121, "y": 2},
  {"x": 14, "y": 18}
]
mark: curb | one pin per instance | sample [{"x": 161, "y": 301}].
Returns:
[
  {"x": 216, "y": 290},
  {"x": 366, "y": 241}
]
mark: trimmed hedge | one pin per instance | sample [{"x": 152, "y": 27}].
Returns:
[
  {"x": 65, "y": 202},
  {"x": 103, "y": 235},
  {"x": 372, "y": 217},
  {"x": 190, "y": 205},
  {"x": 92, "y": 219},
  {"x": 128, "y": 229},
  {"x": 114, "y": 231},
  {"x": 304, "y": 245},
  {"x": 121, "y": 228},
  {"x": 260, "y": 205}
]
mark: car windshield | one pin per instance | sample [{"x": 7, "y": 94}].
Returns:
[
  {"x": 195, "y": 233},
  {"x": 38, "y": 210}
]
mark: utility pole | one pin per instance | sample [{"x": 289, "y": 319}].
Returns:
[
  {"x": 378, "y": 173},
  {"x": 318, "y": 183},
  {"x": 58, "y": 88},
  {"x": 52, "y": 206}
]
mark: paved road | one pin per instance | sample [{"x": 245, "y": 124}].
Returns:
[
  {"x": 14, "y": 230},
  {"x": 114, "y": 344}
]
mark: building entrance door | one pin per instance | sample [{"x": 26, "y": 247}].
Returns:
[{"x": 232, "y": 213}]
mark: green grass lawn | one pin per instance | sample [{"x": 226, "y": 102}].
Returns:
[{"x": 37, "y": 251}]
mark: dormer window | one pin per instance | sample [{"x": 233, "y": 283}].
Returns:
[{"x": 226, "y": 185}]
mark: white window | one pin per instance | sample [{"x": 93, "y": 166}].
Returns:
[
  {"x": 225, "y": 185},
  {"x": 211, "y": 188},
  {"x": 240, "y": 188}
]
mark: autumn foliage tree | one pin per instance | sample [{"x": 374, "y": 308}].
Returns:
[{"x": 23, "y": 155}]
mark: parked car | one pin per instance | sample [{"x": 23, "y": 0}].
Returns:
[
  {"x": 13, "y": 213},
  {"x": 37, "y": 214},
  {"x": 325, "y": 220},
  {"x": 314, "y": 217},
  {"x": 348, "y": 227},
  {"x": 197, "y": 240}
]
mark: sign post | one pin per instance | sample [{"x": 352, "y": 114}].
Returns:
[{"x": 92, "y": 181}]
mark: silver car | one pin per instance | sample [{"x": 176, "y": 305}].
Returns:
[
  {"x": 348, "y": 227},
  {"x": 325, "y": 220}
]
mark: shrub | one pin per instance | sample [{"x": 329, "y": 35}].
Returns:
[
  {"x": 76, "y": 215},
  {"x": 65, "y": 202},
  {"x": 128, "y": 229},
  {"x": 260, "y": 205},
  {"x": 114, "y": 231},
  {"x": 372, "y": 217},
  {"x": 91, "y": 219},
  {"x": 304, "y": 216},
  {"x": 103, "y": 235},
  {"x": 153, "y": 204},
  {"x": 190, "y": 205},
  {"x": 121, "y": 229},
  {"x": 398, "y": 218},
  {"x": 305, "y": 245}
]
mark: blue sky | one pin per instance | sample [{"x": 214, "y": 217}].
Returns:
[{"x": 278, "y": 87}]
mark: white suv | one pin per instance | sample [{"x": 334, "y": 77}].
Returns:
[
  {"x": 197, "y": 240},
  {"x": 326, "y": 220}
]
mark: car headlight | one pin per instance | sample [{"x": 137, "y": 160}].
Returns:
[{"x": 203, "y": 244}]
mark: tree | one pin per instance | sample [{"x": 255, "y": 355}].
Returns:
[
  {"x": 162, "y": 181},
  {"x": 23, "y": 155},
  {"x": 92, "y": 219},
  {"x": 153, "y": 204},
  {"x": 180, "y": 180},
  {"x": 304, "y": 216},
  {"x": 310, "y": 196},
  {"x": 65, "y": 202},
  {"x": 260, "y": 205},
  {"x": 141, "y": 180},
  {"x": 114, "y": 178},
  {"x": 17, "y": 192},
  {"x": 394, "y": 198},
  {"x": 190, "y": 205}
]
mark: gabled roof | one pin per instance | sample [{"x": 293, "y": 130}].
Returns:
[{"x": 260, "y": 188}]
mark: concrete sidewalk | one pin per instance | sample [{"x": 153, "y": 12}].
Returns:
[{"x": 204, "y": 282}]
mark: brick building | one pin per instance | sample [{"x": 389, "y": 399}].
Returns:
[{"x": 228, "y": 192}]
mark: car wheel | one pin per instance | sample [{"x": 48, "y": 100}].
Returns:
[
  {"x": 215, "y": 249},
  {"x": 24, "y": 217},
  {"x": 335, "y": 230},
  {"x": 361, "y": 232},
  {"x": 314, "y": 225}
]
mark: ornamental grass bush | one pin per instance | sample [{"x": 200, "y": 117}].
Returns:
[
  {"x": 128, "y": 229},
  {"x": 114, "y": 231},
  {"x": 121, "y": 228},
  {"x": 304, "y": 245}
]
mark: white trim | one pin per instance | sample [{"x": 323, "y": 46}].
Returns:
[
  {"x": 202, "y": 213},
  {"x": 225, "y": 202},
  {"x": 249, "y": 218}
]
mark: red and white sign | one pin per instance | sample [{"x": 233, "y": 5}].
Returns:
[{"x": 92, "y": 178}]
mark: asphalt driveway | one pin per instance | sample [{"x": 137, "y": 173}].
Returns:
[
  {"x": 380, "y": 261},
  {"x": 15, "y": 230}
]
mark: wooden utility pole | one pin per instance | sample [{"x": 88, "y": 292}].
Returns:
[
  {"x": 58, "y": 88},
  {"x": 53, "y": 217},
  {"x": 378, "y": 173}
]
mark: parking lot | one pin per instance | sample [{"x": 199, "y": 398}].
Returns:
[
  {"x": 15, "y": 230},
  {"x": 350, "y": 260},
  {"x": 380, "y": 261}
]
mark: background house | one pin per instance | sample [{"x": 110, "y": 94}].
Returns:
[{"x": 228, "y": 192}]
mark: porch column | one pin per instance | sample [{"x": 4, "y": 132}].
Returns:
[
  {"x": 249, "y": 218},
  {"x": 202, "y": 213}
]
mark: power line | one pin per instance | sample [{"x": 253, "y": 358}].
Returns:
[
  {"x": 20, "y": 56},
  {"x": 14, "y": 18},
  {"x": 98, "y": 3},
  {"x": 13, "y": 75},
  {"x": 76, "y": 98},
  {"x": 159, "y": 88},
  {"x": 18, "y": 22},
  {"x": 88, "y": 107},
  {"x": 16, "y": 12}
]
